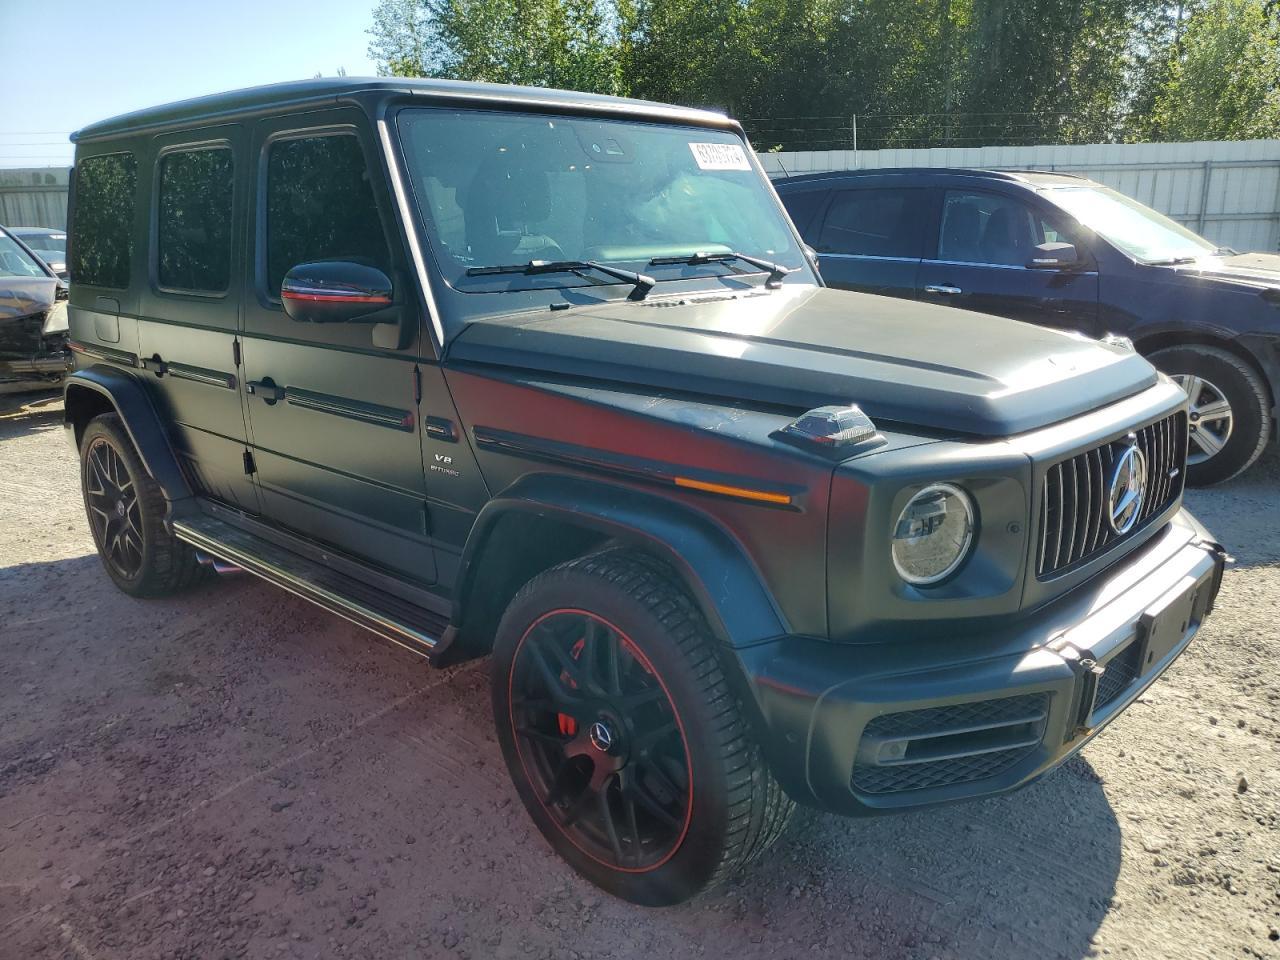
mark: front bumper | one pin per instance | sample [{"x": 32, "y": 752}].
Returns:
[{"x": 898, "y": 725}]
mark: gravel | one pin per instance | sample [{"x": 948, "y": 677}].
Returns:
[{"x": 235, "y": 773}]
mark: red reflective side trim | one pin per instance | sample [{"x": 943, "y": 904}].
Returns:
[{"x": 332, "y": 297}]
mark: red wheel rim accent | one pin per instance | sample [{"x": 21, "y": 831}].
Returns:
[{"x": 623, "y": 780}]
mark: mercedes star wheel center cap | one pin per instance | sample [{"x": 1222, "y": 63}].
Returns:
[{"x": 601, "y": 736}]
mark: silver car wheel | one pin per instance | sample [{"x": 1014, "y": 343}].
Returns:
[{"x": 1209, "y": 417}]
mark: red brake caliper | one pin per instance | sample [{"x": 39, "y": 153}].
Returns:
[{"x": 568, "y": 725}]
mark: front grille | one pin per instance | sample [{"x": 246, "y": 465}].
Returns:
[
  {"x": 1075, "y": 525},
  {"x": 1121, "y": 670},
  {"x": 941, "y": 746}
]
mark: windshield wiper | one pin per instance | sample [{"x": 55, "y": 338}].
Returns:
[
  {"x": 642, "y": 283},
  {"x": 1172, "y": 261},
  {"x": 776, "y": 271}
]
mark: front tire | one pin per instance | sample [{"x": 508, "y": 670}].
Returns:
[
  {"x": 623, "y": 737},
  {"x": 1230, "y": 410},
  {"x": 126, "y": 515}
]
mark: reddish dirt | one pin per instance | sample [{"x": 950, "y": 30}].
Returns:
[{"x": 234, "y": 773}]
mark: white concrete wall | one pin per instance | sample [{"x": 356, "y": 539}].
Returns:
[{"x": 1229, "y": 191}]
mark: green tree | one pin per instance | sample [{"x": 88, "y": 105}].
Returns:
[
  {"x": 550, "y": 43},
  {"x": 1223, "y": 78},
  {"x": 679, "y": 51},
  {"x": 1046, "y": 71}
]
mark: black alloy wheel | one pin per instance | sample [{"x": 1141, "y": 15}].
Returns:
[
  {"x": 126, "y": 511},
  {"x": 600, "y": 740},
  {"x": 624, "y": 734},
  {"x": 114, "y": 512}
]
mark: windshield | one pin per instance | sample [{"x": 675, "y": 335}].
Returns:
[
  {"x": 16, "y": 262},
  {"x": 498, "y": 189},
  {"x": 1137, "y": 230}
]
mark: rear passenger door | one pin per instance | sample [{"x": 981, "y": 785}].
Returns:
[
  {"x": 870, "y": 239},
  {"x": 333, "y": 417},
  {"x": 984, "y": 246},
  {"x": 190, "y": 305}
]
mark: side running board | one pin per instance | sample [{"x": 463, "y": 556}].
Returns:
[{"x": 402, "y": 623}]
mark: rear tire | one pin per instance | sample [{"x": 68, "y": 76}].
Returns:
[
  {"x": 1221, "y": 444},
  {"x": 638, "y": 765},
  {"x": 126, "y": 513}
]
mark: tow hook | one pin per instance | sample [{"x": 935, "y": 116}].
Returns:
[
  {"x": 1217, "y": 549},
  {"x": 1088, "y": 673},
  {"x": 1222, "y": 558}
]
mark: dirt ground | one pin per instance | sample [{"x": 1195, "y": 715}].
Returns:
[{"x": 235, "y": 773}]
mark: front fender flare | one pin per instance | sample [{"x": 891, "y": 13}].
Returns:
[
  {"x": 141, "y": 421},
  {"x": 724, "y": 582}
]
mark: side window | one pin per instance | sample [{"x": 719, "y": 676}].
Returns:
[
  {"x": 1049, "y": 229},
  {"x": 803, "y": 206},
  {"x": 194, "y": 221},
  {"x": 320, "y": 206},
  {"x": 102, "y": 227},
  {"x": 873, "y": 223},
  {"x": 986, "y": 228}
]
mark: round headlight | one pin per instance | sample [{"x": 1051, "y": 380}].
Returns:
[{"x": 933, "y": 534}]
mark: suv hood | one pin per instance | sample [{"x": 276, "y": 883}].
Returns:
[
  {"x": 803, "y": 347},
  {"x": 1252, "y": 268}
]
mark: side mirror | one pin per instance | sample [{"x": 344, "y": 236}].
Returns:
[
  {"x": 812, "y": 256},
  {"x": 335, "y": 291},
  {"x": 1053, "y": 256}
]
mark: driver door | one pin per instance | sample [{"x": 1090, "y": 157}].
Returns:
[
  {"x": 332, "y": 417},
  {"x": 980, "y": 262}
]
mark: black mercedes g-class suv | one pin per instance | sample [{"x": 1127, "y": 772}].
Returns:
[{"x": 549, "y": 376}]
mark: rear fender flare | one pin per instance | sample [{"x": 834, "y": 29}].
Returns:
[{"x": 141, "y": 421}]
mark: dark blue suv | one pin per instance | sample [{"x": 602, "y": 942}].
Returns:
[{"x": 1063, "y": 251}]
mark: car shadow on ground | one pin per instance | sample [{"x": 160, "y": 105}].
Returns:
[
  {"x": 223, "y": 700},
  {"x": 1030, "y": 874}
]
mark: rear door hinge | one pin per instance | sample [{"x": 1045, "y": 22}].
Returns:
[
  {"x": 235, "y": 352},
  {"x": 249, "y": 466}
]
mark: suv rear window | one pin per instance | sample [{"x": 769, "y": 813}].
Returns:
[
  {"x": 102, "y": 248},
  {"x": 873, "y": 223},
  {"x": 194, "y": 221},
  {"x": 320, "y": 206}
]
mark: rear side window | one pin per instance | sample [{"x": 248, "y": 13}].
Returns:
[
  {"x": 320, "y": 206},
  {"x": 194, "y": 221},
  {"x": 873, "y": 223},
  {"x": 102, "y": 228}
]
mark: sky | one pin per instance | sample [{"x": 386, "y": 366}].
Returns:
[{"x": 71, "y": 62}]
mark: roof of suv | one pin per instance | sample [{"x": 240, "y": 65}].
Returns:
[
  {"x": 333, "y": 90},
  {"x": 1031, "y": 177}
]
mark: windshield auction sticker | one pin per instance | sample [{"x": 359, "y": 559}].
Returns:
[{"x": 720, "y": 156}]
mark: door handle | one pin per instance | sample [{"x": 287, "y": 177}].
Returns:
[
  {"x": 943, "y": 288},
  {"x": 155, "y": 365},
  {"x": 265, "y": 389}
]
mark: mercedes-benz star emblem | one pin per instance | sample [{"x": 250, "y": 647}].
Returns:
[
  {"x": 601, "y": 736},
  {"x": 1128, "y": 488}
]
